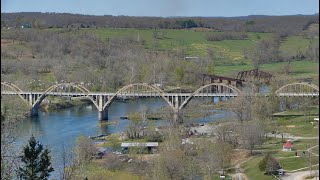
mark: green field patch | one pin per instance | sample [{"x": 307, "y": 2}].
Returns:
[
  {"x": 299, "y": 69},
  {"x": 96, "y": 171},
  {"x": 293, "y": 44},
  {"x": 194, "y": 42},
  {"x": 252, "y": 170},
  {"x": 298, "y": 126},
  {"x": 297, "y": 162}
]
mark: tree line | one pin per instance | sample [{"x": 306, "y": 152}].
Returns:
[
  {"x": 284, "y": 25},
  {"x": 105, "y": 64}
]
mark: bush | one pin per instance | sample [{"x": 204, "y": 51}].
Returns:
[{"x": 155, "y": 137}]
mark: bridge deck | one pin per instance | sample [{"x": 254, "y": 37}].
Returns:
[{"x": 152, "y": 94}]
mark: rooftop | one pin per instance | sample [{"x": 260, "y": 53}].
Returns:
[{"x": 134, "y": 144}]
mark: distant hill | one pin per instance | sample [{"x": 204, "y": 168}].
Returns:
[{"x": 286, "y": 25}]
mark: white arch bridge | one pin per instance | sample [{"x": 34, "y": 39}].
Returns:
[{"x": 177, "y": 101}]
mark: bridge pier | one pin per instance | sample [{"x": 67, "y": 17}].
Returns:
[
  {"x": 103, "y": 115},
  {"x": 34, "y": 111},
  {"x": 177, "y": 118}
]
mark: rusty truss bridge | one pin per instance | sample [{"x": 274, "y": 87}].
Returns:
[{"x": 177, "y": 101}]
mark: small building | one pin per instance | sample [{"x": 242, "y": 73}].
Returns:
[
  {"x": 287, "y": 146},
  {"x": 191, "y": 58},
  {"x": 147, "y": 147}
]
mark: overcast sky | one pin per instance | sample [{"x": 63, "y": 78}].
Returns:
[{"x": 165, "y": 8}]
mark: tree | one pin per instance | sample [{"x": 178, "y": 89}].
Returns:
[
  {"x": 266, "y": 51},
  {"x": 269, "y": 164},
  {"x": 36, "y": 161},
  {"x": 11, "y": 113},
  {"x": 135, "y": 128},
  {"x": 84, "y": 150},
  {"x": 67, "y": 158},
  {"x": 241, "y": 107},
  {"x": 313, "y": 50},
  {"x": 252, "y": 134}
]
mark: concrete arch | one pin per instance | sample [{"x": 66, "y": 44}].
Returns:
[
  {"x": 75, "y": 85},
  {"x": 230, "y": 87},
  {"x": 156, "y": 89},
  {"x": 293, "y": 86},
  {"x": 15, "y": 89},
  {"x": 12, "y": 86}
]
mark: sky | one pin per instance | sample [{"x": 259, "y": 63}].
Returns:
[{"x": 165, "y": 8}]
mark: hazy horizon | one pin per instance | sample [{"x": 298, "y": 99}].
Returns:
[{"x": 165, "y": 8}]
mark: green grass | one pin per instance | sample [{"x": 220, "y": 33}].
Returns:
[
  {"x": 275, "y": 145},
  {"x": 299, "y": 69},
  {"x": 294, "y": 44},
  {"x": 252, "y": 170},
  {"x": 299, "y": 126},
  {"x": 315, "y": 150},
  {"x": 193, "y": 42},
  {"x": 314, "y": 110},
  {"x": 96, "y": 171},
  {"x": 305, "y": 144},
  {"x": 296, "y": 162}
]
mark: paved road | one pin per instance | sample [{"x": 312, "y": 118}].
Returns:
[
  {"x": 239, "y": 172},
  {"x": 301, "y": 175},
  {"x": 289, "y": 136}
]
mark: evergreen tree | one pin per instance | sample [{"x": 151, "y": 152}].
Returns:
[{"x": 36, "y": 162}]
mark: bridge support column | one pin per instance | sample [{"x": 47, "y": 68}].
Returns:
[
  {"x": 30, "y": 99},
  {"x": 176, "y": 113},
  {"x": 177, "y": 118},
  {"x": 103, "y": 115},
  {"x": 34, "y": 111}
]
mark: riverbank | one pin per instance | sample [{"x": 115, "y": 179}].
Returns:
[{"x": 54, "y": 104}]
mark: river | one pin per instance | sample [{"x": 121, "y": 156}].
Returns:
[{"x": 61, "y": 128}]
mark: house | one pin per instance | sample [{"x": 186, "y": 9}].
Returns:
[
  {"x": 148, "y": 147},
  {"x": 287, "y": 146}
]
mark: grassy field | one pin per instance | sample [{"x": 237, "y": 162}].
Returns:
[
  {"x": 96, "y": 171},
  {"x": 297, "y": 162},
  {"x": 252, "y": 169},
  {"x": 299, "y": 69},
  {"x": 194, "y": 43},
  {"x": 298, "y": 126},
  {"x": 314, "y": 110}
]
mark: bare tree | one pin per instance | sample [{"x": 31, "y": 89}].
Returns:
[
  {"x": 225, "y": 134},
  {"x": 68, "y": 166},
  {"x": 10, "y": 116},
  {"x": 83, "y": 153},
  {"x": 241, "y": 107},
  {"x": 251, "y": 134}
]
